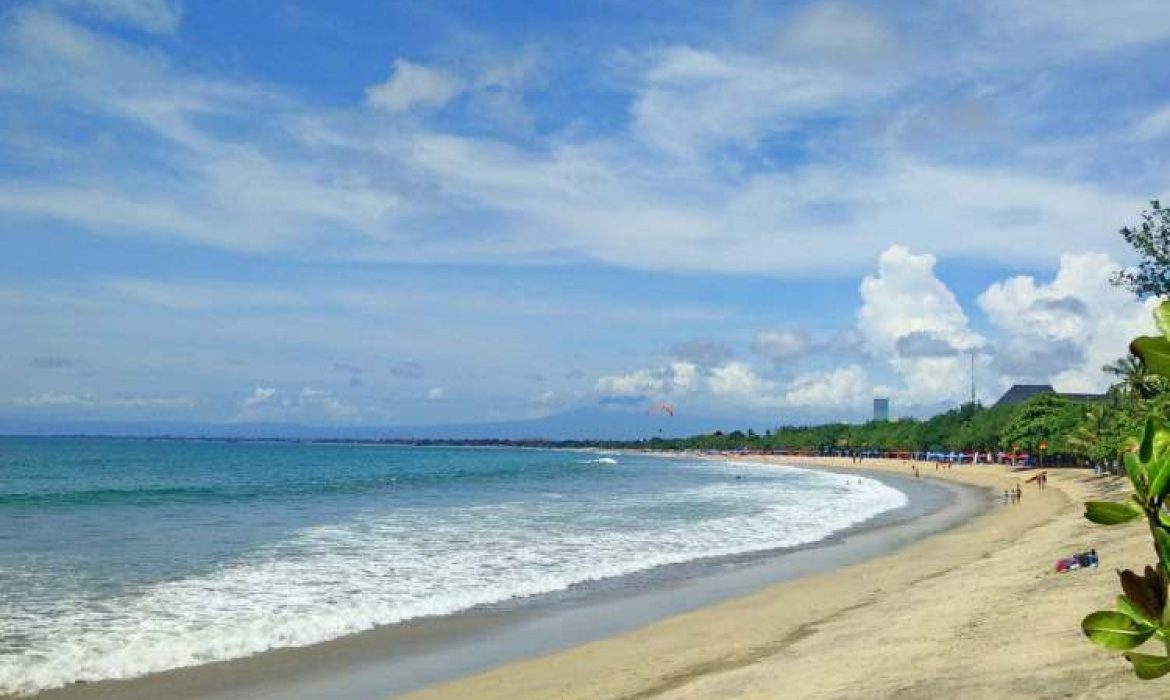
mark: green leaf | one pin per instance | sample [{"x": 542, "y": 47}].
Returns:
[
  {"x": 1127, "y": 608},
  {"x": 1147, "y": 666},
  {"x": 1162, "y": 318},
  {"x": 1136, "y": 471},
  {"x": 1106, "y": 513},
  {"x": 1146, "y": 451},
  {"x": 1159, "y": 477},
  {"x": 1114, "y": 630},
  {"x": 1154, "y": 352}
]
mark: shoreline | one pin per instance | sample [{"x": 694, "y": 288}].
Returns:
[
  {"x": 429, "y": 652},
  {"x": 973, "y": 611}
]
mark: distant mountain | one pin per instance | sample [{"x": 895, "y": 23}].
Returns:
[{"x": 590, "y": 423}]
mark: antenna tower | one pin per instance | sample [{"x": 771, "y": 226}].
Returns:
[{"x": 972, "y": 377}]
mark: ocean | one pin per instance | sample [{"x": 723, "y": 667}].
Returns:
[{"x": 120, "y": 558}]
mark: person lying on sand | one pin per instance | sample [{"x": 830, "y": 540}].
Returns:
[{"x": 1081, "y": 560}]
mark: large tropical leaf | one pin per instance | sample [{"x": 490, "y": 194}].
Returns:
[
  {"x": 1154, "y": 352},
  {"x": 1108, "y": 513},
  {"x": 1147, "y": 666},
  {"x": 1113, "y": 630}
]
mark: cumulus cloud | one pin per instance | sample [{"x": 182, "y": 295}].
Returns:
[
  {"x": 678, "y": 378},
  {"x": 309, "y": 405},
  {"x": 411, "y": 85},
  {"x": 905, "y": 307},
  {"x": 260, "y": 396},
  {"x": 923, "y": 344},
  {"x": 1070, "y": 326},
  {"x": 906, "y": 297},
  {"x": 1029, "y": 360},
  {"x": 738, "y": 380},
  {"x": 845, "y": 387},
  {"x": 911, "y": 323}
]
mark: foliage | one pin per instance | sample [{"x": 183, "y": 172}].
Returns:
[
  {"x": 1135, "y": 383},
  {"x": 1151, "y": 240},
  {"x": 1047, "y": 417},
  {"x": 1142, "y": 613}
]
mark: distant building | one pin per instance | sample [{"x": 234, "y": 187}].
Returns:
[
  {"x": 881, "y": 409},
  {"x": 1020, "y": 393}
]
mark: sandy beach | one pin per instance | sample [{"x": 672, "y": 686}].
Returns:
[{"x": 973, "y": 612}]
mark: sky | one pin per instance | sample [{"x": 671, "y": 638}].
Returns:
[{"x": 404, "y": 213}]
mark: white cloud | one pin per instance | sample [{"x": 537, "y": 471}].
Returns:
[
  {"x": 153, "y": 16},
  {"x": 411, "y": 85},
  {"x": 906, "y": 301},
  {"x": 737, "y": 379},
  {"x": 436, "y": 393},
  {"x": 260, "y": 396},
  {"x": 845, "y": 387},
  {"x": 1153, "y": 126},
  {"x": 1078, "y": 315},
  {"x": 906, "y": 297},
  {"x": 693, "y": 100},
  {"x": 1076, "y": 25},
  {"x": 312, "y": 181},
  {"x": 309, "y": 405},
  {"x": 911, "y": 322},
  {"x": 840, "y": 32},
  {"x": 678, "y": 378}
]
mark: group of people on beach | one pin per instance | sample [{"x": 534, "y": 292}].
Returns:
[{"x": 1013, "y": 496}]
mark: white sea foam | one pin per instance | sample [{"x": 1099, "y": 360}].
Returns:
[{"x": 380, "y": 569}]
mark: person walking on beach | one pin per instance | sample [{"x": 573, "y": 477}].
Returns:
[{"x": 1019, "y": 493}]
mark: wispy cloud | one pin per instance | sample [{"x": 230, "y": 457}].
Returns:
[{"x": 493, "y": 207}]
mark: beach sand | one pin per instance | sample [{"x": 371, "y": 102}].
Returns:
[{"x": 973, "y": 612}]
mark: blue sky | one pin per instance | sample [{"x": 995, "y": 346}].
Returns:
[{"x": 392, "y": 213}]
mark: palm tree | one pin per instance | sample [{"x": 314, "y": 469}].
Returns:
[
  {"x": 1088, "y": 437},
  {"x": 1134, "y": 382}
]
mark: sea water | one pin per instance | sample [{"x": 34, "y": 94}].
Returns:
[{"x": 124, "y": 557}]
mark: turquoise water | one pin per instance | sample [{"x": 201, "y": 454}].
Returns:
[{"x": 124, "y": 557}]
